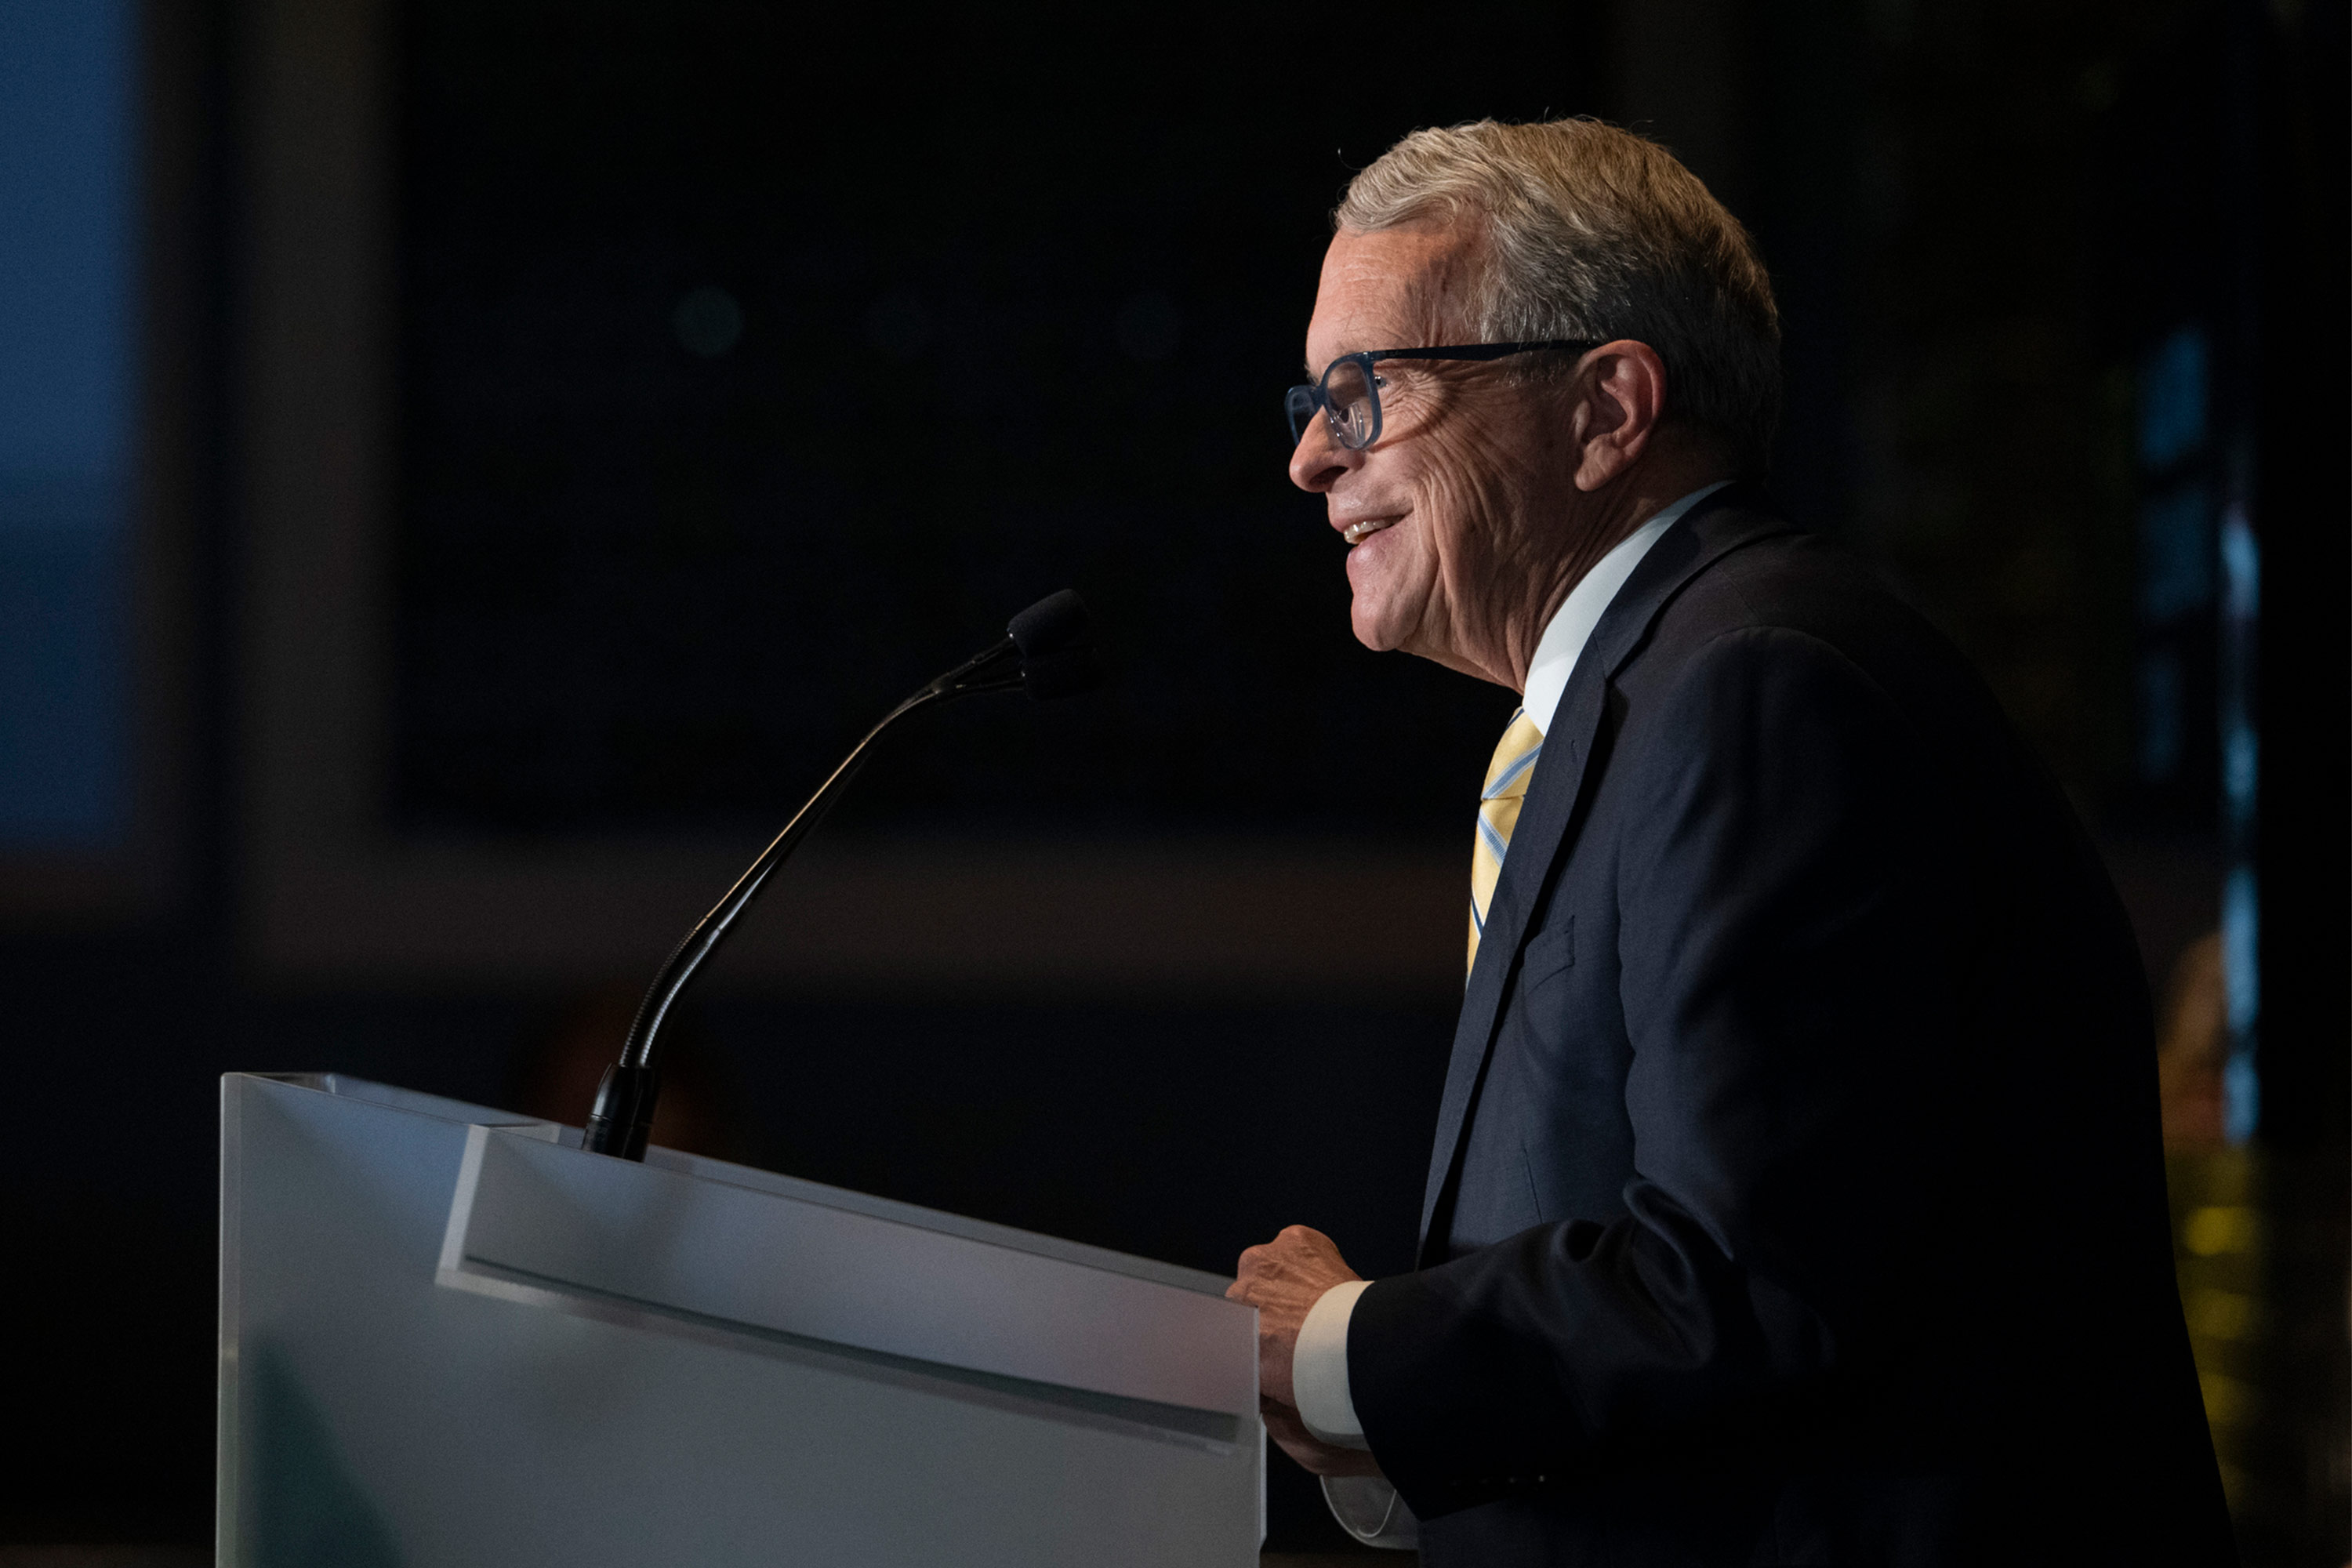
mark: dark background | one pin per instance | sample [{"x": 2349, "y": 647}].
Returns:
[
  {"x": 756, "y": 363},
  {"x": 1002, "y": 330}
]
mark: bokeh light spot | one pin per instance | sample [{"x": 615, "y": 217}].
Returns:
[{"x": 707, "y": 320}]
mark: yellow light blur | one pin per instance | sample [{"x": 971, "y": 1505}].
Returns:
[{"x": 2211, "y": 1231}]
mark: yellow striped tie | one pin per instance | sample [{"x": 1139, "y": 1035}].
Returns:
[{"x": 1498, "y": 813}]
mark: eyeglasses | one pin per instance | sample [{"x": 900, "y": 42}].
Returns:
[{"x": 1349, "y": 394}]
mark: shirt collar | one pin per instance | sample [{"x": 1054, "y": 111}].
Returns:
[{"x": 1571, "y": 624}]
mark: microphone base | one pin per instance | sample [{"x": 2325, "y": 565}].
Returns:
[{"x": 623, "y": 1122}]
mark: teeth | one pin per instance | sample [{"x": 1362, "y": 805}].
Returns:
[{"x": 1357, "y": 532}]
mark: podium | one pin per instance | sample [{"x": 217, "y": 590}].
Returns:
[{"x": 449, "y": 1336}]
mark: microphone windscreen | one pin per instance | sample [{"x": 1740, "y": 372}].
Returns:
[{"x": 1056, "y": 621}]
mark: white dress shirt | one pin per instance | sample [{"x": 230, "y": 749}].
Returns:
[{"x": 1318, "y": 1365}]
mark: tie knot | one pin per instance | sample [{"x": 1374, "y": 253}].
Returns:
[{"x": 1515, "y": 760}]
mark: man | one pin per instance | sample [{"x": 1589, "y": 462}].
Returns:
[{"x": 1796, "y": 1195}]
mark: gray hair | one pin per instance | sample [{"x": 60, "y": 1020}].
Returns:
[{"x": 1593, "y": 232}]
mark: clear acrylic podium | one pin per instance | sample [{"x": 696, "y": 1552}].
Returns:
[{"x": 448, "y": 1336}]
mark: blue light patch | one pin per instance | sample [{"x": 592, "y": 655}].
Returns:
[
  {"x": 2176, "y": 554},
  {"x": 2161, "y": 732},
  {"x": 2242, "y": 975},
  {"x": 66, "y": 402},
  {"x": 2172, "y": 399}
]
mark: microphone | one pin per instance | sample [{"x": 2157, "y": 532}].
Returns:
[{"x": 1048, "y": 651}]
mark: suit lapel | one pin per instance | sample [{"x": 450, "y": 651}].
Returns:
[{"x": 1715, "y": 527}]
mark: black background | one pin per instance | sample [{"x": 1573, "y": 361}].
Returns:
[{"x": 1020, "y": 299}]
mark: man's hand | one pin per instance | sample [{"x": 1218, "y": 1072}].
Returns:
[
  {"x": 1284, "y": 1279},
  {"x": 1320, "y": 1458}
]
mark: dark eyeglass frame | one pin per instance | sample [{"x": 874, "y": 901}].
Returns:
[{"x": 1302, "y": 402}]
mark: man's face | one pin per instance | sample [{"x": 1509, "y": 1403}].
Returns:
[{"x": 1443, "y": 510}]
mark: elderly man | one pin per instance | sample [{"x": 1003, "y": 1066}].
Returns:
[{"x": 1796, "y": 1196}]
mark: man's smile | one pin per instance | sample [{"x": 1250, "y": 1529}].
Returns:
[{"x": 1357, "y": 532}]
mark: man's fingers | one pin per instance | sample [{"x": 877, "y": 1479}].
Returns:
[
  {"x": 1300, "y": 1261},
  {"x": 1296, "y": 1243}
]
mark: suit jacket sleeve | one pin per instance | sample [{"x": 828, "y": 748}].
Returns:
[{"x": 1784, "y": 900}]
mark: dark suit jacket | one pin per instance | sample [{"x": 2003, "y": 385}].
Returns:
[{"x": 1797, "y": 1195}]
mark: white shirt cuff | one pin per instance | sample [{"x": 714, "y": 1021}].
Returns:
[{"x": 1319, "y": 1368}]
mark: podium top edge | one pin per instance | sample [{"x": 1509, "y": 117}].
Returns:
[{"x": 415, "y": 1102}]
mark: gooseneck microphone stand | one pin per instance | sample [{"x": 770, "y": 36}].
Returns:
[{"x": 1047, "y": 651}]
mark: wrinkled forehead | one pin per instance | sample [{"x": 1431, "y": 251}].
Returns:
[{"x": 1392, "y": 287}]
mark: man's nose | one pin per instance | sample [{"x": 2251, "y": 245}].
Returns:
[{"x": 1317, "y": 461}]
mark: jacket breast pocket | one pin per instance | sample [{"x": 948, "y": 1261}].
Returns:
[{"x": 1550, "y": 954}]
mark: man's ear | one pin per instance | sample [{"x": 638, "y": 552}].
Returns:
[{"x": 1620, "y": 399}]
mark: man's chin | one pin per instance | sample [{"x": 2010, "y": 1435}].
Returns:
[{"x": 1371, "y": 631}]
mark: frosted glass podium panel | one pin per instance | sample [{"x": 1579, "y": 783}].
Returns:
[{"x": 448, "y": 1336}]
